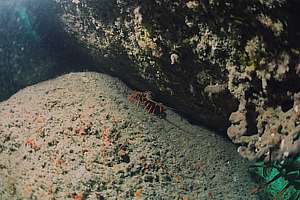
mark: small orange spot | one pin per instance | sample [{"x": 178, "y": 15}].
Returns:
[
  {"x": 105, "y": 136},
  {"x": 59, "y": 162},
  {"x": 138, "y": 194},
  {"x": 32, "y": 144},
  {"x": 77, "y": 197},
  {"x": 183, "y": 197}
]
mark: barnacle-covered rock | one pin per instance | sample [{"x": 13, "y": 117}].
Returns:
[{"x": 278, "y": 135}]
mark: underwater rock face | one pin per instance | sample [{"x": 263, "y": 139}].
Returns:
[
  {"x": 173, "y": 51},
  {"x": 225, "y": 64},
  {"x": 208, "y": 58},
  {"x": 78, "y": 137}
]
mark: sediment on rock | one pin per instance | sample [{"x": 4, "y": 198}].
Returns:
[
  {"x": 223, "y": 64},
  {"x": 78, "y": 137}
]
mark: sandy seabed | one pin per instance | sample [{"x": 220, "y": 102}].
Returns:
[{"x": 77, "y": 137}]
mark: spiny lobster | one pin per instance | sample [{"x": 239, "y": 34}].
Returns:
[{"x": 145, "y": 100}]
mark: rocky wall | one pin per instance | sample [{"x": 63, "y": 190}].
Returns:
[
  {"x": 220, "y": 63},
  {"x": 168, "y": 48},
  {"x": 207, "y": 58}
]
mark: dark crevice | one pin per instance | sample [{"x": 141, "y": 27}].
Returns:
[{"x": 251, "y": 116}]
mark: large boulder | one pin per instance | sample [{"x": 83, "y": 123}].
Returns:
[
  {"x": 206, "y": 58},
  {"x": 225, "y": 64},
  {"x": 78, "y": 137},
  {"x": 173, "y": 49}
]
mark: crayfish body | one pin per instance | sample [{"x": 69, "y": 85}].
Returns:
[{"x": 145, "y": 100}]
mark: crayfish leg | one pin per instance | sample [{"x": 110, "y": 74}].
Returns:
[
  {"x": 153, "y": 109},
  {"x": 138, "y": 102},
  {"x": 147, "y": 106},
  {"x": 150, "y": 108},
  {"x": 161, "y": 108}
]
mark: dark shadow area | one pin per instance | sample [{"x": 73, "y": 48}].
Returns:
[{"x": 33, "y": 46}]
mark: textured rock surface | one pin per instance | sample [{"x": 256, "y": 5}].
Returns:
[
  {"x": 78, "y": 137},
  {"x": 174, "y": 51},
  {"x": 204, "y": 58},
  {"x": 204, "y": 55}
]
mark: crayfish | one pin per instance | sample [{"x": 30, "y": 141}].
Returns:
[{"x": 145, "y": 100}]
